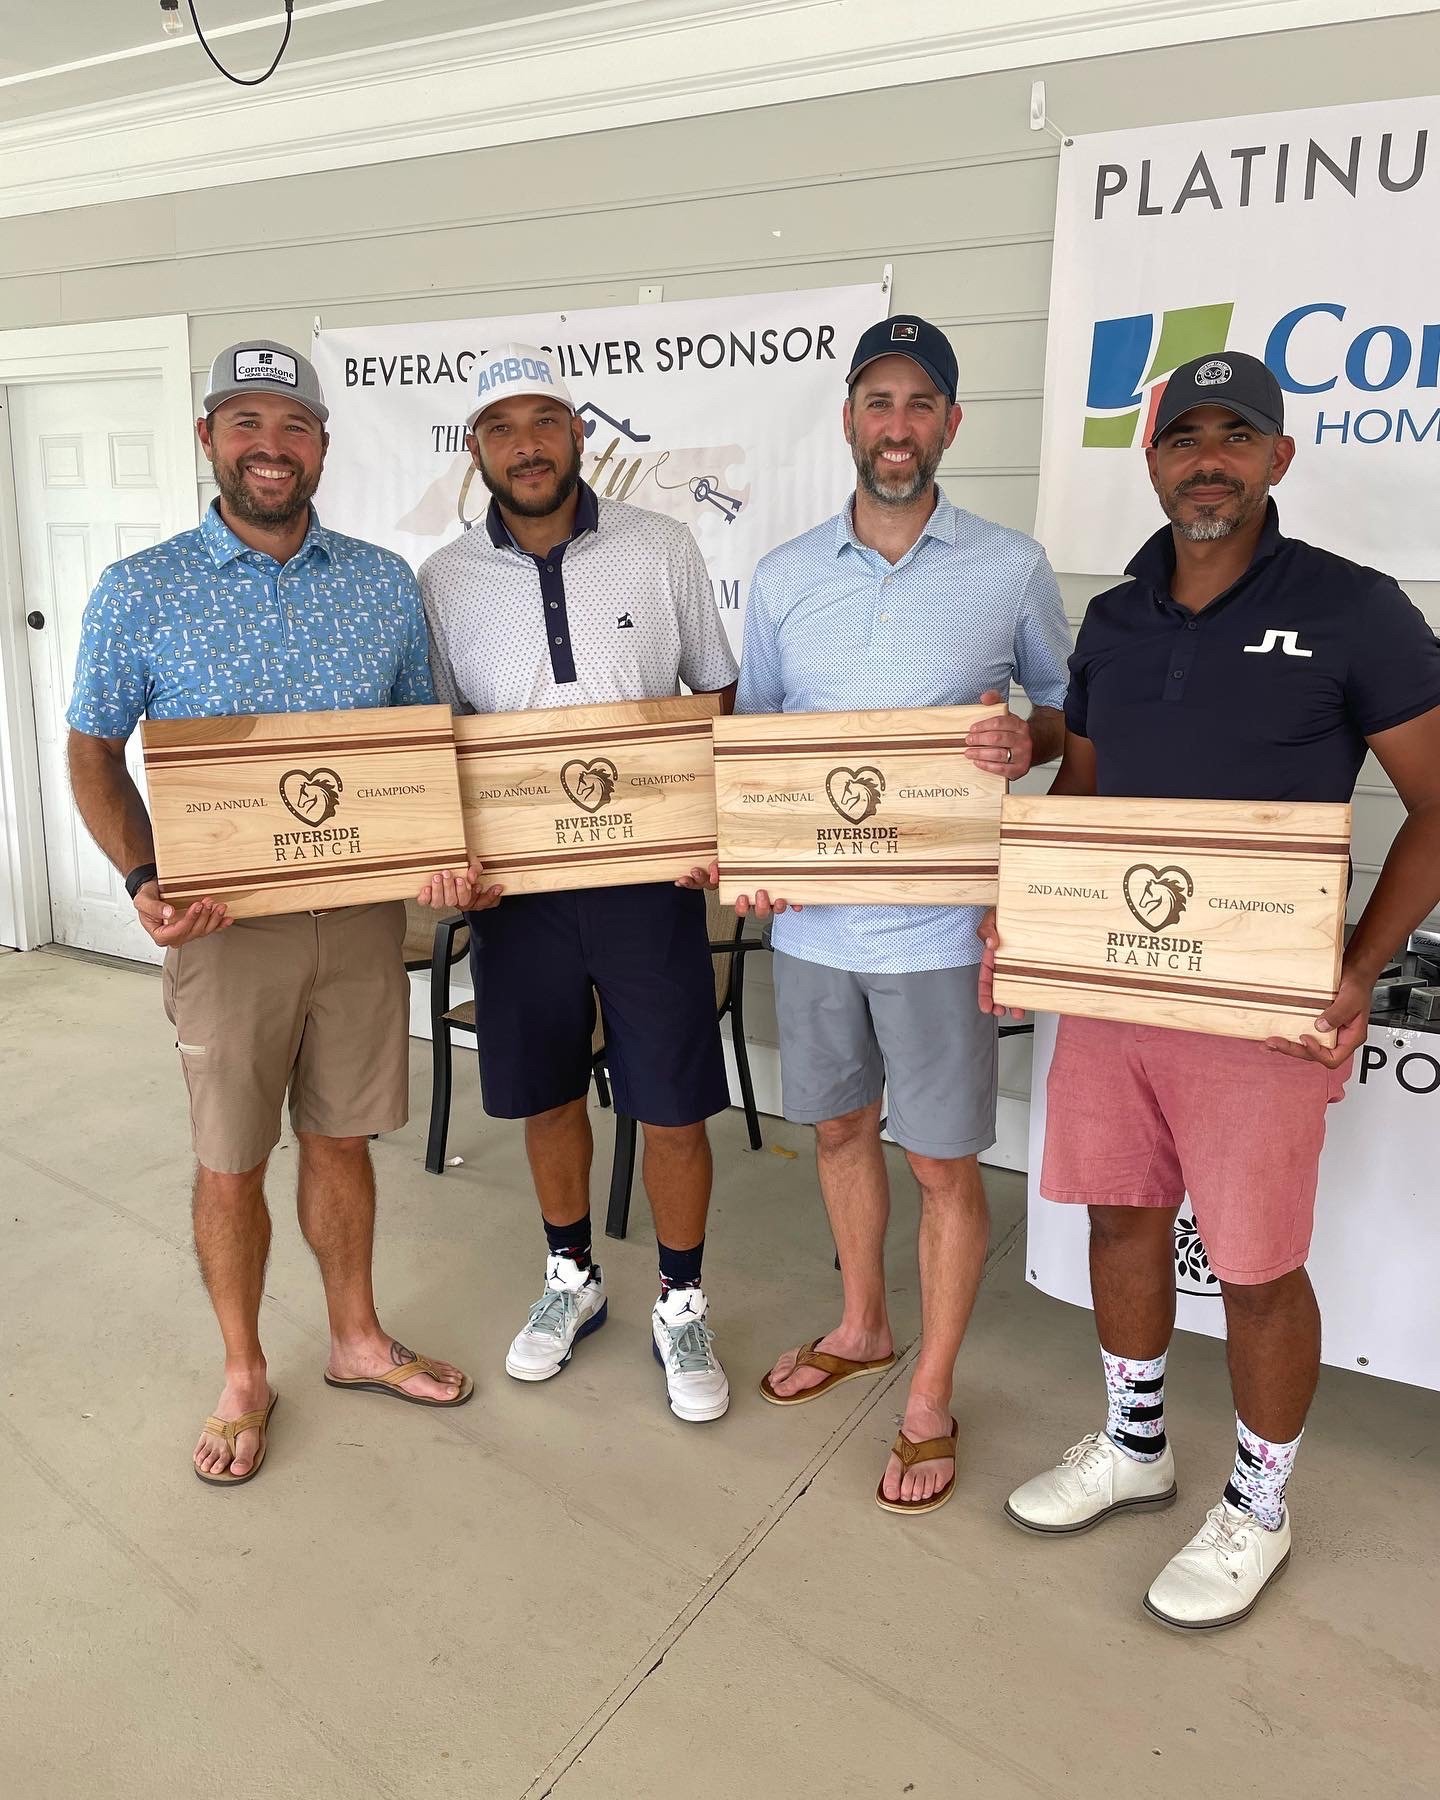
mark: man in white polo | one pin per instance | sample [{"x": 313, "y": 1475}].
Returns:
[{"x": 559, "y": 598}]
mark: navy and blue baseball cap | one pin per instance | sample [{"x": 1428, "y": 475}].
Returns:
[
  {"x": 1234, "y": 380},
  {"x": 906, "y": 335}
]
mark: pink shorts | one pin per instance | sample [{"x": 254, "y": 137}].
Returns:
[{"x": 1139, "y": 1116}]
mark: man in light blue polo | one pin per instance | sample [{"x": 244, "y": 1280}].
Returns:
[{"x": 903, "y": 600}]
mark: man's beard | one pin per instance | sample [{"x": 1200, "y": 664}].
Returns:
[
  {"x": 1209, "y": 525},
  {"x": 893, "y": 492},
  {"x": 566, "y": 481},
  {"x": 242, "y": 502}
]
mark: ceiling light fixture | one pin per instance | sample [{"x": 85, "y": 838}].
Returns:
[{"x": 172, "y": 23}]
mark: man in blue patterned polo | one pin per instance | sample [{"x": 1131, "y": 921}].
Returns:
[
  {"x": 903, "y": 600},
  {"x": 259, "y": 610}
]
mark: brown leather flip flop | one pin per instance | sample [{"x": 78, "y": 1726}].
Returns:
[
  {"x": 837, "y": 1369},
  {"x": 390, "y": 1383},
  {"x": 910, "y": 1453},
  {"x": 230, "y": 1429}
]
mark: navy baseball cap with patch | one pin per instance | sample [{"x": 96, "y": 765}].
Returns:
[
  {"x": 906, "y": 335},
  {"x": 1234, "y": 380}
]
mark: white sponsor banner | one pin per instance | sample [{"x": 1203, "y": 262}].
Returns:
[
  {"x": 1306, "y": 238},
  {"x": 724, "y": 413},
  {"x": 1377, "y": 1227}
]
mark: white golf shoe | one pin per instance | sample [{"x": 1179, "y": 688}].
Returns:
[
  {"x": 572, "y": 1306},
  {"x": 684, "y": 1348},
  {"x": 1093, "y": 1479},
  {"x": 1221, "y": 1573}
]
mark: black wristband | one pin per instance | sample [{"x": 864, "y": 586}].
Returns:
[{"x": 138, "y": 876}]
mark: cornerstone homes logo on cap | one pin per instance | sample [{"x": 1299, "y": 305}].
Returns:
[
  {"x": 266, "y": 365},
  {"x": 1130, "y": 361}
]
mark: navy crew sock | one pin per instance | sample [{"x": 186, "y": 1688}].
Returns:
[
  {"x": 680, "y": 1268},
  {"x": 571, "y": 1240}
]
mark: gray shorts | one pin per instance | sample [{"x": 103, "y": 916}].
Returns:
[{"x": 845, "y": 1037}]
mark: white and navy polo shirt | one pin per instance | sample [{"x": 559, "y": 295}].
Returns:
[
  {"x": 1267, "y": 693},
  {"x": 622, "y": 610}
]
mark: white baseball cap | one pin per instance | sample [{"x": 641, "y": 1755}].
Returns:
[{"x": 516, "y": 369}]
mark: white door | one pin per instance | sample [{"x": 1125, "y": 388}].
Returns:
[{"x": 88, "y": 490}]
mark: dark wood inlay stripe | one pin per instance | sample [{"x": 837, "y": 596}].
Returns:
[
  {"x": 869, "y": 867},
  {"x": 619, "y": 737},
  {"x": 313, "y": 749},
  {"x": 545, "y": 859},
  {"x": 1338, "y": 848},
  {"x": 1142, "y": 984},
  {"x": 193, "y": 887},
  {"x": 839, "y": 746}
]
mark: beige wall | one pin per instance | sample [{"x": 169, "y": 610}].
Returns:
[{"x": 946, "y": 182}]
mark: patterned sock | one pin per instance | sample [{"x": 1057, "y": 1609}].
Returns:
[
  {"x": 1257, "y": 1485},
  {"x": 680, "y": 1268},
  {"x": 1135, "y": 1392},
  {"x": 570, "y": 1240}
]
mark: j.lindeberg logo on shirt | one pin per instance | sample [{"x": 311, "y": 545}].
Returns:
[
  {"x": 1288, "y": 642},
  {"x": 625, "y": 622}
]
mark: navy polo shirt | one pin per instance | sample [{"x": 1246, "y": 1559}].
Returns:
[{"x": 1267, "y": 693}]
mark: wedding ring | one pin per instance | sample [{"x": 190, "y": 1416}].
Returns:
[{"x": 1009, "y": 756}]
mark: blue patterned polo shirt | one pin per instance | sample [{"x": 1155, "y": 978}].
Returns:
[
  {"x": 203, "y": 625},
  {"x": 830, "y": 626}
]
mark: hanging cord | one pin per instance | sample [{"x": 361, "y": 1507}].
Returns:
[{"x": 244, "y": 80}]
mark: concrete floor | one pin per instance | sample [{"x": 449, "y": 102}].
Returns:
[{"x": 563, "y": 1590}]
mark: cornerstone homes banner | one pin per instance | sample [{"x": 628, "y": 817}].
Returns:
[
  {"x": 1377, "y": 1228},
  {"x": 1307, "y": 238},
  {"x": 724, "y": 413}
]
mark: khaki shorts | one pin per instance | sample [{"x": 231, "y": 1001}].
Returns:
[{"x": 316, "y": 1004}]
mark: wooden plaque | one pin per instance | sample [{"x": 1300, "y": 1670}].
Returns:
[
  {"x": 1201, "y": 915},
  {"x": 869, "y": 806},
  {"x": 589, "y": 796},
  {"x": 288, "y": 812}
]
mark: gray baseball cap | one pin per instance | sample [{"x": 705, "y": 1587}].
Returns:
[{"x": 260, "y": 366}]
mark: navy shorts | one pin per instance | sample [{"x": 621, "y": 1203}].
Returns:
[{"x": 540, "y": 959}]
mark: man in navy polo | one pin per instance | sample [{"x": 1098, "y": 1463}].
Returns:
[
  {"x": 563, "y": 599},
  {"x": 1235, "y": 664}
]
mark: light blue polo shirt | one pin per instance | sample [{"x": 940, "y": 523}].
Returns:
[
  {"x": 202, "y": 625},
  {"x": 830, "y": 626}
]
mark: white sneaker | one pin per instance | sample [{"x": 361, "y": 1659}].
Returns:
[
  {"x": 684, "y": 1347},
  {"x": 1221, "y": 1573},
  {"x": 1093, "y": 1479},
  {"x": 572, "y": 1306}
]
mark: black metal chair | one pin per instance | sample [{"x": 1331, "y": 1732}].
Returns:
[
  {"x": 450, "y": 941},
  {"x": 729, "y": 948}
]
